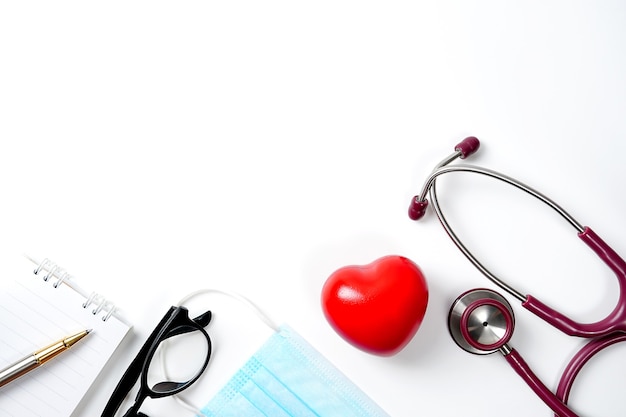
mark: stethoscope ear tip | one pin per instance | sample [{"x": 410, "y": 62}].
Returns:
[
  {"x": 417, "y": 208},
  {"x": 463, "y": 149},
  {"x": 467, "y": 146}
]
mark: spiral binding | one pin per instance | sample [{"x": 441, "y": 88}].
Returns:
[{"x": 100, "y": 303}]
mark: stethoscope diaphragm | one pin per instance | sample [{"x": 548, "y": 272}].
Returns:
[{"x": 481, "y": 321}]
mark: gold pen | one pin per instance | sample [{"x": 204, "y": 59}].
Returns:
[{"x": 38, "y": 358}]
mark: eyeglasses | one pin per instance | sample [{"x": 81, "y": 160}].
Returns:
[{"x": 175, "y": 322}]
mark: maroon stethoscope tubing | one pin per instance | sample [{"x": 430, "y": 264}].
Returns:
[
  {"x": 614, "y": 322},
  {"x": 603, "y": 333}
]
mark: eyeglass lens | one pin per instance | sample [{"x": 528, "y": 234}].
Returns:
[{"x": 178, "y": 340}]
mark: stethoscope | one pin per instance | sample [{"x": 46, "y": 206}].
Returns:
[{"x": 481, "y": 321}]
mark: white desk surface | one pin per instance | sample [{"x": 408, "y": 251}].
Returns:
[{"x": 154, "y": 149}]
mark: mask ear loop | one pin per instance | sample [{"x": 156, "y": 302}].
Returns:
[{"x": 232, "y": 294}]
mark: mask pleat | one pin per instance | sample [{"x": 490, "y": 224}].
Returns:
[{"x": 287, "y": 377}]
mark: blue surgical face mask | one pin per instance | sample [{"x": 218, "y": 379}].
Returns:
[{"x": 288, "y": 377}]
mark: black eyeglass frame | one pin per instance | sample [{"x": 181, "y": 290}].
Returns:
[{"x": 175, "y": 322}]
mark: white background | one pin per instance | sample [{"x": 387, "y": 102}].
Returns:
[{"x": 157, "y": 148}]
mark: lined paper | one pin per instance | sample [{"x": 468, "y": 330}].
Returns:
[{"x": 34, "y": 314}]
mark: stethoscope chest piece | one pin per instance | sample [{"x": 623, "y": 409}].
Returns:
[{"x": 481, "y": 321}]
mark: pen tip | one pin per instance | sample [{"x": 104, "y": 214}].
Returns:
[
  {"x": 69, "y": 341},
  {"x": 89, "y": 331}
]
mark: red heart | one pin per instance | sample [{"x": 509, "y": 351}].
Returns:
[{"x": 376, "y": 307}]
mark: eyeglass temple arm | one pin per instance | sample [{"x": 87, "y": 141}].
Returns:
[{"x": 202, "y": 320}]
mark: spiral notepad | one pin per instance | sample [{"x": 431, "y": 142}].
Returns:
[{"x": 42, "y": 303}]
